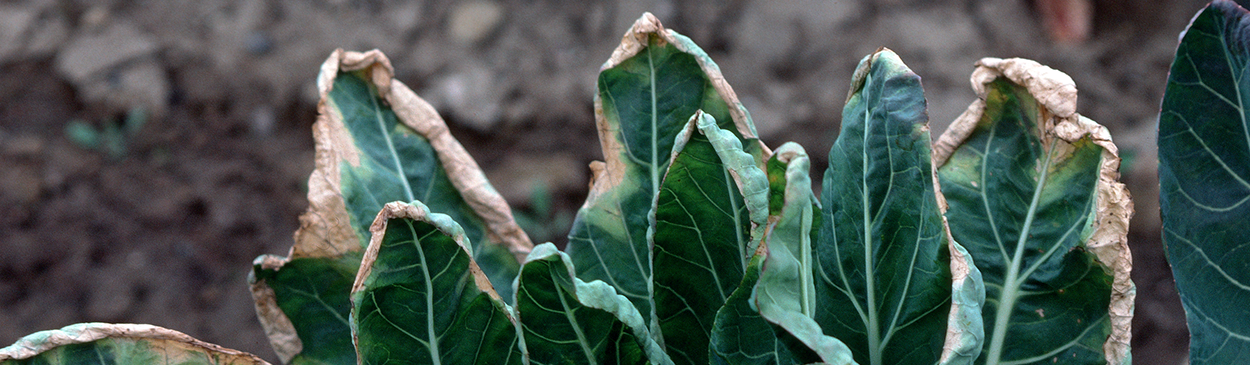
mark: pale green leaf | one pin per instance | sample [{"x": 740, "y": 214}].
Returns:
[
  {"x": 787, "y": 282},
  {"x": 786, "y": 292},
  {"x": 768, "y": 319},
  {"x": 743, "y": 337}
]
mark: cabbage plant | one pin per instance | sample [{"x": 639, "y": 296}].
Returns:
[{"x": 1002, "y": 243}]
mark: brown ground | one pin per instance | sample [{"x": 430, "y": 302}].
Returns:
[{"x": 163, "y": 230}]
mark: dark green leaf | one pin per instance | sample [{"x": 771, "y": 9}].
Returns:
[
  {"x": 711, "y": 198},
  {"x": 567, "y": 321},
  {"x": 1204, "y": 169},
  {"x": 883, "y": 274},
  {"x": 316, "y": 291},
  {"x": 420, "y": 299}
]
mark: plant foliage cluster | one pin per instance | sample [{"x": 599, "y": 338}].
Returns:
[{"x": 1003, "y": 242}]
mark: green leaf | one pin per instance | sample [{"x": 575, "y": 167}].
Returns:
[
  {"x": 647, "y": 91},
  {"x": 1032, "y": 195},
  {"x": 711, "y": 198},
  {"x": 316, "y": 292},
  {"x": 1204, "y": 169},
  {"x": 377, "y": 142},
  {"x": 743, "y": 337},
  {"x": 420, "y": 299},
  {"x": 883, "y": 273},
  {"x": 107, "y": 344},
  {"x": 565, "y": 320}
]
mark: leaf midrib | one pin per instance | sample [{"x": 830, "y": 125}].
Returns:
[
  {"x": 390, "y": 146},
  {"x": 655, "y": 126},
  {"x": 736, "y": 215},
  {"x": 573, "y": 323},
  {"x": 872, "y": 326},
  {"x": 1010, "y": 286},
  {"x": 655, "y": 188},
  {"x": 429, "y": 298}
]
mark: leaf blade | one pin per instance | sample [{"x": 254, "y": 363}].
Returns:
[
  {"x": 567, "y": 321},
  {"x": 419, "y": 298},
  {"x": 1203, "y": 154},
  {"x": 1033, "y": 197},
  {"x": 712, "y": 198},
  {"x": 875, "y": 235},
  {"x": 315, "y": 291}
]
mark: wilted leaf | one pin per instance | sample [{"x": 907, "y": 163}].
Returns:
[
  {"x": 788, "y": 282},
  {"x": 768, "y": 318},
  {"x": 1033, "y": 196},
  {"x": 377, "y": 142},
  {"x": 106, "y": 344},
  {"x": 565, "y": 320},
  {"x": 419, "y": 297},
  {"x": 655, "y": 80},
  {"x": 1204, "y": 176}
]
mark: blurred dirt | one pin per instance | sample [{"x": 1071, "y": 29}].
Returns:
[{"x": 163, "y": 230}]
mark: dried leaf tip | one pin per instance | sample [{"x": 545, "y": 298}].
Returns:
[{"x": 635, "y": 39}]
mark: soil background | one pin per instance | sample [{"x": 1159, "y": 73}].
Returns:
[{"x": 205, "y": 109}]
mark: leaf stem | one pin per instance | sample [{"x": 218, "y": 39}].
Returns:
[{"x": 873, "y": 327}]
